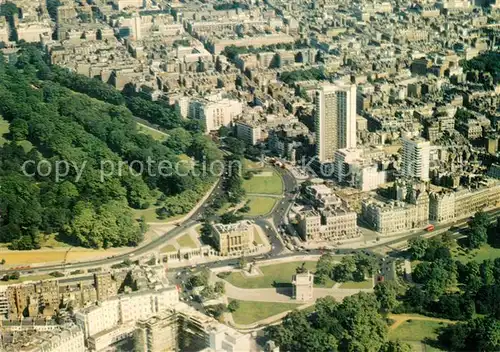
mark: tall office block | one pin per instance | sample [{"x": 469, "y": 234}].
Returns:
[
  {"x": 335, "y": 119},
  {"x": 416, "y": 158},
  {"x": 137, "y": 26}
]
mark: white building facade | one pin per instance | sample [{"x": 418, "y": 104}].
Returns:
[
  {"x": 416, "y": 158},
  {"x": 335, "y": 119}
]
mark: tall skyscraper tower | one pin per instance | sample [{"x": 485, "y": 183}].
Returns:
[
  {"x": 416, "y": 158},
  {"x": 136, "y": 26},
  {"x": 335, "y": 119}
]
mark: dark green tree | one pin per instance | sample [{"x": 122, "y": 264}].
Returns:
[{"x": 387, "y": 294}]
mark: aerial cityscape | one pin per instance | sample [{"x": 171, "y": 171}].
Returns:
[{"x": 249, "y": 175}]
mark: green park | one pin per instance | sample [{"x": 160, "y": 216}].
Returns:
[
  {"x": 249, "y": 312},
  {"x": 280, "y": 275}
]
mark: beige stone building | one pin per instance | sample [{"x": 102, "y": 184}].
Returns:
[
  {"x": 450, "y": 205},
  {"x": 159, "y": 333},
  {"x": 68, "y": 338},
  {"x": 303, "y": 286},
  {"x": 163, "y": 332},
  {"x": 233, "y": 238},
  {"x": 442, "y": 206},
  {"x": 397, "y": 216},
  {"x": 41, "y": 298},
  {"x": 321, "y": 196},
  {"x": 330, "y": 224},
  {"x": 218, "y": 45},
  {"x": 123, "y": 4},
  {"x": 33, "y": 32},
  {"x": 105, "y": 286}
]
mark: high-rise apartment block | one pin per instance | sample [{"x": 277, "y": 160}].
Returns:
[
  {"x": 335, "y": 119},
  {"x": 158, "y": 333},
  {"x": 136, "y": 27},
  {"x": 416, "y": 158},
  {"x": 105, "y": 286}
]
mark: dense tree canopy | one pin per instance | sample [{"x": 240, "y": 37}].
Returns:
[
  {"x": 356, "y": 267},
  {"x": 101, "y": 157},
  {"x": 302, "y": 75},
  {"x": 353, "y": 325}
]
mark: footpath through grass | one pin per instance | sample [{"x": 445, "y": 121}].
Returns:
[{"x": 250, "y": 312}]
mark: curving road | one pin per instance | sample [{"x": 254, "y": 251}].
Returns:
[
  {"x": 277, "y": 245},
  {"x": 275, "y": 219},
  {"x": 137, "y": 252}
]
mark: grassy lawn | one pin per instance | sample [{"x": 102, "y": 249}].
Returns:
[
  {"x": 52, "y": 241},
  {"x": 328, "y": 284},
  {"x": 264, "y": 184},
  {"x": 251, "y": 165},
  {"x": 186, "y": 241},
  {"x": 415, "y": 332},
  {"x": 260, "y": 205},
  {"x": 223, "y": 209},
  {"x": 355, "y": 284},
  {"x": 4, "y": 129},
  {"x": 27, "y": 278},
  {"x": 48, "y": 241},
  {"x": 158, "y": 135},
  {"x": 280, "y": 274},
  {"x": 479, "y": 255},
  {"x": 27, "y": 146},
  {"x": 250, "y": 312},
  {"x": 168, "y": 248},
  {"x": 257, "y": 237}
]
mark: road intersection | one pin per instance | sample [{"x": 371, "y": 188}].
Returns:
[{"x": 269, "y": 224}]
